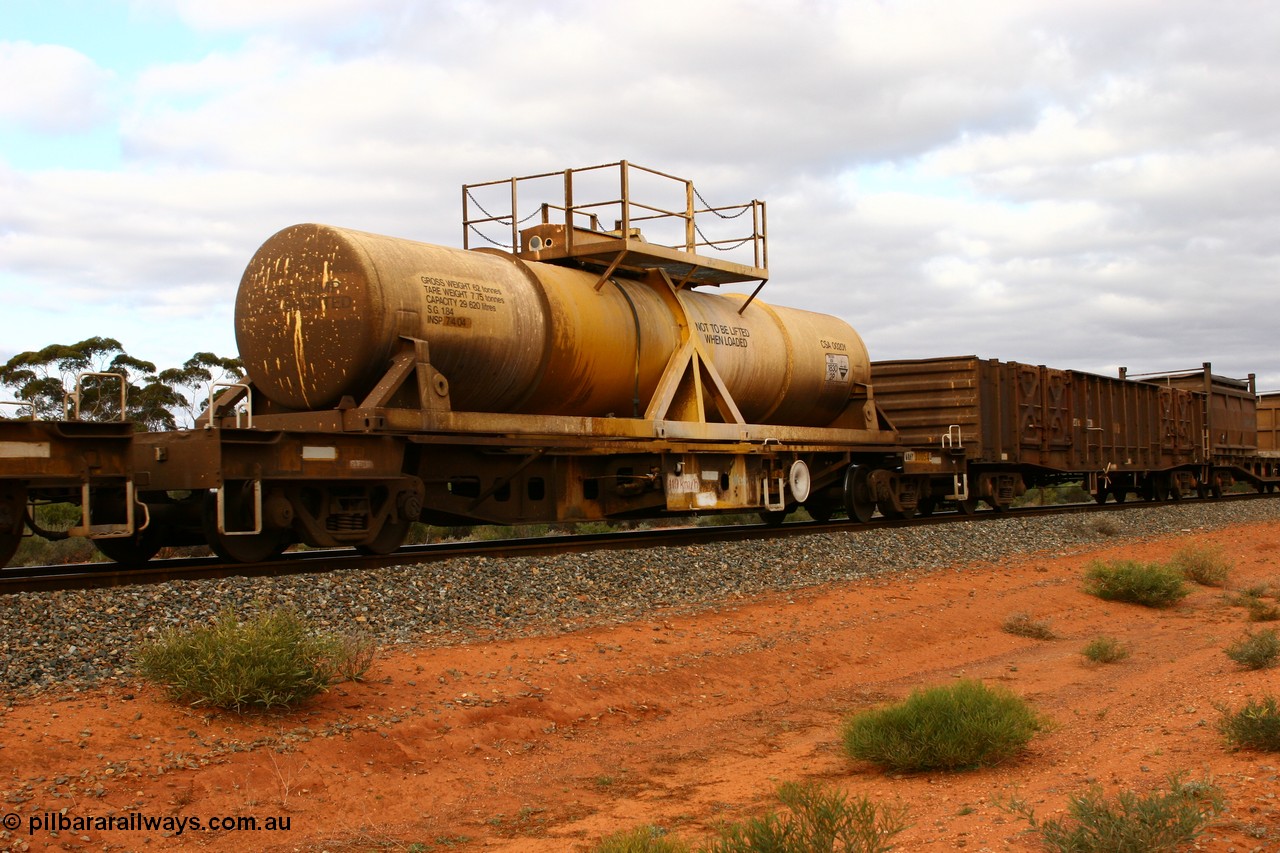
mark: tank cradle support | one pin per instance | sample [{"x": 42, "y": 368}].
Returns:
[{"x": 412, "y": 358}]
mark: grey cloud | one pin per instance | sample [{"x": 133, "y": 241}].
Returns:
[{"x": 1083, "y": 184}]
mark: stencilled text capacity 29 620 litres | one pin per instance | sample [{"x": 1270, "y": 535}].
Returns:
[{"x": 446, "y": 297}]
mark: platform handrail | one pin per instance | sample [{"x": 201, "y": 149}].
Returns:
[
  {"x": 632, "y": 211},
  {"x": 89, "y": 530},
  {"x": 247, "y": 411},
  {"x": 78, "y": 394},
  {"x": 222, "y": 511},
  {"x": 20, "y": 404},
  {"x": 769, "y": 503}
]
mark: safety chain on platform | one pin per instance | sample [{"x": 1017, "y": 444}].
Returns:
[
  {"x": 503, "y": 220},
  {"x": 487, "y": 238},
  {"x": 710, "y": 209},
  {"x": 707, "y": 241}
]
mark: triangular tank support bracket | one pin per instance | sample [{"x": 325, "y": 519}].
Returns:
[
  {"x": 689, "y": 379},
  {"x": 412, "y": 359}
]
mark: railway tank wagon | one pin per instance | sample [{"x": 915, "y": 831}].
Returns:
[
  {"x": 577, "y": 370},
  {"x": 580, "y": 373}
]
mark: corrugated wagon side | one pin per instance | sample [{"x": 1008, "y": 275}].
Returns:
[
  {"x": 1269, "y": 435},
  {"x": 1269, "y": 423},
  {"x": 1237, "y": 426},
  {"x": 983, "y": 429}
]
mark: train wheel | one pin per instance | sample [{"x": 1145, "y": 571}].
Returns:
[
  {"x": 820, "y": 512},
  {"x": 1152, "y": 490},
  {"x": 967, "y": 507},
  {"x": 253, "y": 548},
  {"x": 9, "y": 543},
  {"x": 858, "y": 500},
  {"x": 389, "y": 538},
  {"x": 135, "y": 549},
  {"x": 130, "y": 550},
  {"x": 926, "y": 506},
  {"x": 13, "y": 508},
  {"x": 773, "y": 517}
]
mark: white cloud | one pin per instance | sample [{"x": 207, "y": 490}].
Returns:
[
  {"x": 304, "y": 17},
  {"x": 51, "y": 89}
]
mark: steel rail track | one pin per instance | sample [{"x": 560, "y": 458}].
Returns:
[{"x": 33, "y": 579}]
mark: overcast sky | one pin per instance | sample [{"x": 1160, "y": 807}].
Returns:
[{"x": 1084, "y": 184}]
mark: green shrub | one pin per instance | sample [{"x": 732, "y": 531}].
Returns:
[
  {"x": 1157, "y": 822},
  {"x": 642, "y": 839},
  {"x": 1104, "y": 526},
  {"x": 274, "y": 659},
  {"x": 1262, "y": 611},
  {"x": 1062, "y": 493},
  {"x": 35, "y": 550},
  {"x": 1202, "y": 564},
  {"x": 1022, "y": 625},
  {"x": 1105, "y": 650},
  {"x": 38, "y": 551},
  {"x": 817, "y": 820},
  {"x": 963, "y": 725},
  {"x": 1255, "y": 651},
  {"x": 1255, "y": 726},
  {"x": 1148, "y": 584},
  {"x": 353, "y": 655},
  {"x": 1249, "y": 593},
  {"x": 1075, "y": 493}
]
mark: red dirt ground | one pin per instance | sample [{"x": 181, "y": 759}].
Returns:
[{"x": 684, "y": 720}]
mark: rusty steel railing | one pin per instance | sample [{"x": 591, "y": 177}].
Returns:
[{"x": 575, "y": 197}]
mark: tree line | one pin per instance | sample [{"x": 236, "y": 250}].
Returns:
[{"x": 61, "y": 380}]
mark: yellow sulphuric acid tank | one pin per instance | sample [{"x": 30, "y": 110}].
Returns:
[{"x": 321, "y": 310}]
